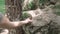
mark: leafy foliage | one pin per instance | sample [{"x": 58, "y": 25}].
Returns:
[
  {"x": 31, "y": 6},
  {"x": 24, "y": 15}
]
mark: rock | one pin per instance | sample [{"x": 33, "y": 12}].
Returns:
[{"x": 41, "y": 18}]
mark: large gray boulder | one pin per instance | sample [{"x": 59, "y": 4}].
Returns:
[{"x": 42, "y": 17}]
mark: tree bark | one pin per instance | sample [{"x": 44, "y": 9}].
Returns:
[{"x": 14, "y": 12}]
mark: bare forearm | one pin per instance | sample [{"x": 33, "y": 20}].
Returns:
[
  {"x": 6, "y": 23},
  {"x": 19, "y": 23},
  {"x": 14, "y": 24},
  {"x": 11, "y": 25}
]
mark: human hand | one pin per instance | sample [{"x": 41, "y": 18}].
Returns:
[{"x": 28, "y": 20}]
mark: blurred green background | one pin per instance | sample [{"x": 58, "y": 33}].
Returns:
[{"x": 2, "y": 6}]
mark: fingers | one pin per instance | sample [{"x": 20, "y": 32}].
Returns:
[{"x": 29, "y": 20}]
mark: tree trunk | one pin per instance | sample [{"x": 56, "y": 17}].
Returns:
[
  {"x": 13, "y": 8},
  {"x": 14, "y": 12}
]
